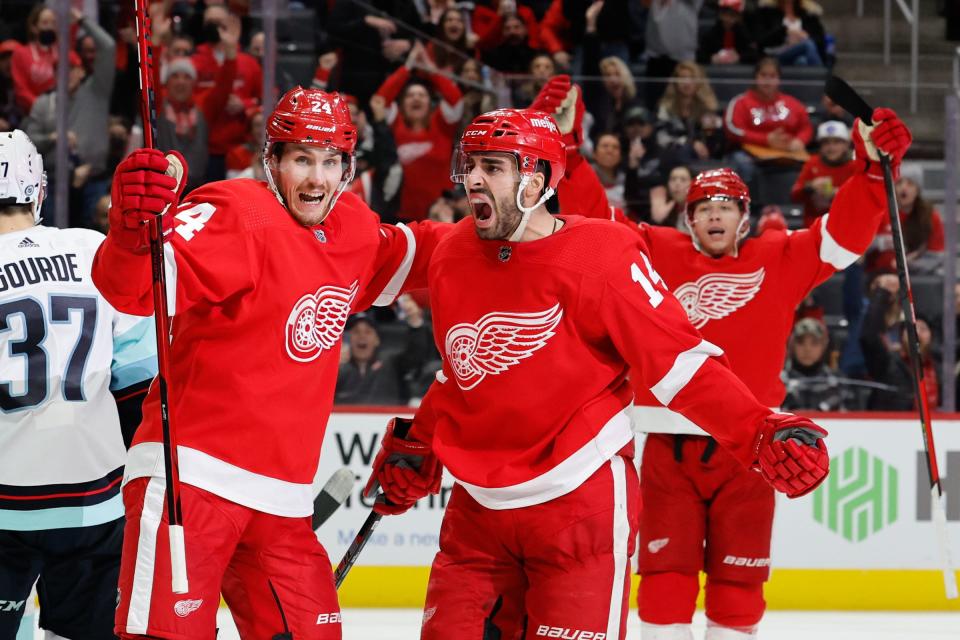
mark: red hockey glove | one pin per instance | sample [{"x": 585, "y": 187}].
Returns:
[
  {"x": 144, "y": 185},
  {"x": 405, "y": 469},
  {"x": 564, "y": 101},
  {"x": 792, "y": 455},
  {"x": 888, "y": 135}
]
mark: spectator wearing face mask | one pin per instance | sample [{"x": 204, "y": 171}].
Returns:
[
  {"x": 810, "y": 381},
  {"x": 34, "y": 64},
  {"x": 221, "y": 29},
  {"x": 824, "y": 172}
]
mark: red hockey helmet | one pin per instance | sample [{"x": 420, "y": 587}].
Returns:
[
  {"x": 531, "y": 136},
  {"x": 316, "y": 118}
]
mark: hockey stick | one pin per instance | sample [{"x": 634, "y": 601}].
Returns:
[
  {"x": 332, "y": 496},
  {"x": 845, "y": 96},
  {"x": 178, "y": 558}
]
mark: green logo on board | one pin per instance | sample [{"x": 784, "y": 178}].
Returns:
[{"x": 859, "y": 497}]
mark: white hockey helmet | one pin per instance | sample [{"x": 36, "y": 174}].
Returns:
[{"x": 22, "y": 179}]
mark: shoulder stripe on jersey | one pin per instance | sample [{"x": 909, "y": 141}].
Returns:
[
  {"x": 563, "y": 478},
  {"x": 684, "y": 368},
  {"x": 170, "y": 272},
  {"x": 830, "y": 250},
  {"x": 392, "y": 290}
]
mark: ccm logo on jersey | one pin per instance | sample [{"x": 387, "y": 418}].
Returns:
[
  {"x": 544, "y": 123},
  {"x": 317, "y": 320},
  {"x": 717, "y": 295},
  {"x": 11, "y": 605},
  {"x": 737, "y": 561},
  {"x": 497, "y": 342},
  {"x": 329, "y": 618},
  {"x": 569, "y": 634}
]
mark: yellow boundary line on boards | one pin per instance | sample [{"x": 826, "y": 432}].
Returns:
[{"x": 797, "y": 589}]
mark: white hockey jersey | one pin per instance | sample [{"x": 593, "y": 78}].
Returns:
[{"x": 63, "y": 348}]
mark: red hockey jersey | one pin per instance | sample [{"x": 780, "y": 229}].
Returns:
[
  {"x": 259, "y": 303},
  {"x": 746, "y": 304},
  {"x": 537, "y": 338}
]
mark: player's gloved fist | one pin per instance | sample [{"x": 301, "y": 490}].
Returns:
[
  {"x": 145, "y": 184},
  {"x": 888, "y": 135},
  {"x": 792, "y": 455},
  {"x": 563, "y": 100},
  {"x": 405, "y": 469}
]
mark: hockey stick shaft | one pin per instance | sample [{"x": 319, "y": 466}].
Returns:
[
  {"x": 845, "y": 96},
  {"x": 148, "y": 114},
  {"x": 353, "y": 551}
]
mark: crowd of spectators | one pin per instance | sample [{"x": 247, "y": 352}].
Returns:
[{"x": 415, "y": 72}]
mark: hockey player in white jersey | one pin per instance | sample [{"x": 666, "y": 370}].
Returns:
[{"x": 72, "y": 371}]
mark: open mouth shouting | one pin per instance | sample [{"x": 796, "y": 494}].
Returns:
[{"x": 482, "y": 206}]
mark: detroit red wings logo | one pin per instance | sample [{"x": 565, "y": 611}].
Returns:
[
  {"x": 497, "y": 342},
  {"x": 317, "y": 320},
  {"x": 717, "y": 295}
]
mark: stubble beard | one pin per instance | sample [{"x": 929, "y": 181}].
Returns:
[{"x": 508, "y": 218}]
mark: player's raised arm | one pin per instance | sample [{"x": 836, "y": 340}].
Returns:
[{"x": 689, "y": 375}]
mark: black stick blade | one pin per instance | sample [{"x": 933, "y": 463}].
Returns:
[{"x": 845, "y": 96}]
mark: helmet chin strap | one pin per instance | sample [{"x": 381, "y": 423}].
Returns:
[{"x": 527, "y": 211}]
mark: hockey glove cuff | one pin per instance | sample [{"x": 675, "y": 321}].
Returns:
[
  {"x": 564, "y": 101},
  {"x": 791, "y": 454},
  {"x": 888, "y": 135},
  {"x": 405, "y": 470}
]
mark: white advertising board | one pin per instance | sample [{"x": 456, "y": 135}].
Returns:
[{"x": 872, "y": 513}]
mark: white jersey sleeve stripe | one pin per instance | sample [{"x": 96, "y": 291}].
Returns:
[
  {"x": 684, "y": 368},
  {"x": 621, "y": 545},
  {"x": 138, "y": 614},
  {"x": 830, "y": 250},
  {"x": 392, "y": 290},
  {"x": 62, "y": 517},
  {"x": 170, "y": 273}
]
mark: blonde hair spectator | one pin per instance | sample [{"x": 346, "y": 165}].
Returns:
[
  {"x": 688, "y": 94},
  {"x": 617, "y": 79}
]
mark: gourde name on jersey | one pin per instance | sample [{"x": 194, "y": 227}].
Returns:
[
  {"x": 62, "y": 349},
  {"x": 259, "y": 304}
]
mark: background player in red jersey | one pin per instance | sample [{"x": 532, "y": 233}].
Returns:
[
  {"x": 261, "y": 277},
  {"x": 528, "y": 412},
  {"x": 702, "y": 511}
]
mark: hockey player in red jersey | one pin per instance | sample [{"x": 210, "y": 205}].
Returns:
[
  {"x": 261, "y": 277},
  {"x": 741, "y": 294},
  {"x": 528, "y": 411}
]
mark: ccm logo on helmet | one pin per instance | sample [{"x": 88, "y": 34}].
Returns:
[
  {"x": 474, "y": 132},
  {"x": 569, "y": 634},
  {"x": 544, "y": 123}
]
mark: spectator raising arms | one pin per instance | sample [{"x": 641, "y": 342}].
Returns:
[
  {"x": 825, "y": 172},
  {"x": 423, "y": 134},
  {"x": 222, "y": 29},
  {"x": 922, "y": 231},
  {"x": 790, "y": 30},
  {"x": 728, "y": 41}
]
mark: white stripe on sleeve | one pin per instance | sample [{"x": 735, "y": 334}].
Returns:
[
  {"x": 392, "y": 290},
  {"x": 831, "y": 252},
  {"x": 684, "y": 368}
]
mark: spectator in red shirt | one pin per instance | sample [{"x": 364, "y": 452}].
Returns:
[
  {"x": 728, "y": 41},
  {"x": 766, "y": 118},
  {"x": 825, "y": 172},
  {"x": 490, "y": 15},
  {"x": 230, "y": 129},
  {"x": 34, "y": 64},
  {"x": 423, "y": 134},
  {"x": 922, "y": 231}
]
